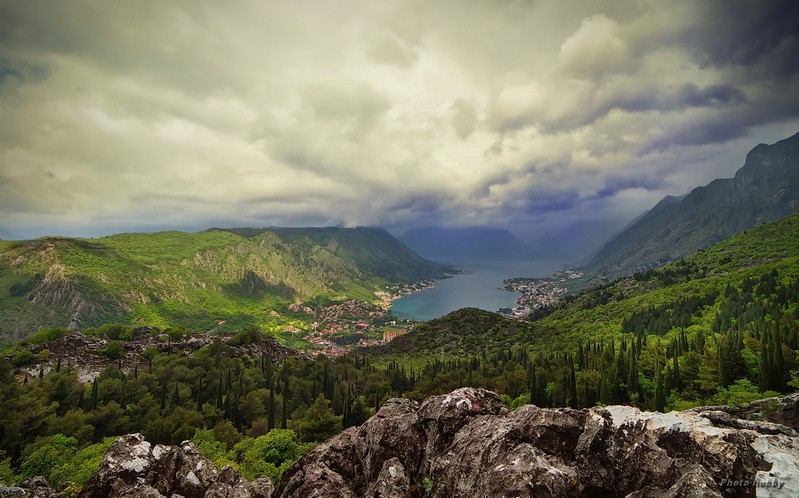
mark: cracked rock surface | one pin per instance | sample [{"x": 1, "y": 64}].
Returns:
[
  {"x": 132, "y": 467},
  {"x": 467, "y": 444}
]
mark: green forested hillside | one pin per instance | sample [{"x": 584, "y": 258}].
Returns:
[
  {"x": 195, "y": 279},
  {"x": 719, "y": 327},
  {"x": 695, "y": 283}
]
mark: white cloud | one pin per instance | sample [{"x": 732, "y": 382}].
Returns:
[{"x": 358, "y": 112}]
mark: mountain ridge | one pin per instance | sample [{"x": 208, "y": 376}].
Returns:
[
  {"x": 764, "y": 189},
  {"x": 194, "y": 279},
  {"x": 466, "y": 242}
]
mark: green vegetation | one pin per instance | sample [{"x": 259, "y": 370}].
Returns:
[
  {"x": 169, "y": 279},
  {"x": 719, "y": 327}
]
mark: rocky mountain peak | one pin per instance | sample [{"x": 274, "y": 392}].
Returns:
[{"x": 765, "y": 189}]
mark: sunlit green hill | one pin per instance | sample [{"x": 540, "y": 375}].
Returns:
[{"x": 195, "y": 279}]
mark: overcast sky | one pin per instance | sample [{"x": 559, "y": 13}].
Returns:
[{"x": 536, "y": 115}]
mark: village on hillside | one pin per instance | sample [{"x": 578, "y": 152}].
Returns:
[
  {"x": 337, "y": 329},
  {"x": 539, "y": 292}
]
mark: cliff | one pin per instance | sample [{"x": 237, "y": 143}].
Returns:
[{"x": 765, "y": 189}]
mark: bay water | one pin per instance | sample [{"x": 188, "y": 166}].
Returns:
[{"x": 482, "y": 288}]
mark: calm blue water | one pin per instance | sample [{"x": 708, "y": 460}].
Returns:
[{"x": 480, "y": 289}]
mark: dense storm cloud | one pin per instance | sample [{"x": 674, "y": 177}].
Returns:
[{"x": 528, "y": 114}]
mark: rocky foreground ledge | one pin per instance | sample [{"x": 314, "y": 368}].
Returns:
[{"x": 467, "y": 444}]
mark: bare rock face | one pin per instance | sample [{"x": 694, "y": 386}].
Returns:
[
  {"x": 467, "y": 444},
  {"x": 132, "y": 467},
  {"x": 35, "y": 487}
]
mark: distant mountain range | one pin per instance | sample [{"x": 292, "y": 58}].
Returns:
[
  {"x": 468, "y": 242},
  {"x": 766, "y": 188},
  {"x": 195, "y": 279}
]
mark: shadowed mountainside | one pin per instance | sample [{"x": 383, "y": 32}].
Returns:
[{"x": 766, "y": 188}]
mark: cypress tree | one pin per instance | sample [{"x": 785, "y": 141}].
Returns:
[
  {"x": 660, "y": 390},
  {"x": 284, "y": 409},
  {"x": 632, "y": 375},
  {"x": 200, "y": 394},
  {"x": 347, "y": 408},
  {"x": 124, "y": 390},
  {"x": 778, "y": 362},
  {"x": 175, "y": 396},
  {"x": 766, "y": 366},
  {"x": 572, "y": 385},
  {"x": 270, "y": 412},
  {"x": 676, "y": 378},
  {"x": 94, "y": 394}
]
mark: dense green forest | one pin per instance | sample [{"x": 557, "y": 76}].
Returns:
[{"x": 720, "y": 327}]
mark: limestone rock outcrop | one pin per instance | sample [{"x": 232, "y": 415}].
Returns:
[
  {"x": 467, "y": 444},
  {"x": 35, "y": 487},
  {"x": 133, "y": 467}
]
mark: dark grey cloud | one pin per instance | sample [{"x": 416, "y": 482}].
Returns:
[
  {"x": 379, "y": 113},
  {"x": 740, "y": 32}
]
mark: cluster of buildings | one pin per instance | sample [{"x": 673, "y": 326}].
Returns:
[
  {"x": 539, "y": 292},
  {"x": 337, "y": 329}
]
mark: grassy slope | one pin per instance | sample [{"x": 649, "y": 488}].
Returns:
[{"x": 192, "y": 279}]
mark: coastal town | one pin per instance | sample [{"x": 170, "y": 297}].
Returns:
[
  {"x": 540, "y": 292},
  {"x": 336, "y": 329}
]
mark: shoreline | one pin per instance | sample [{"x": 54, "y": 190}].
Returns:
[{"x": 539, "y": 292}]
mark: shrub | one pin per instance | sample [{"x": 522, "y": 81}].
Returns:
[
  {"x": 82, "y": 465},
  {"x": 47, "y": 455},
  {"x": 115, "y": 350},
  {"x": 22, "y": 358},
  {"x": 270, "y": 454},
  {"x": 50, "y": 334}
]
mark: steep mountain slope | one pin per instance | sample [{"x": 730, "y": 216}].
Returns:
[
  {"x": 470, "y": 242},
  {"x": 193, "y": 279},
  {"x": 694, "y": 285},
  {"x": 766, "y": 188}
]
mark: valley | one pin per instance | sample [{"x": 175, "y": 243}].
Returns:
[
  {"x": 225, "y": 279},
  {"x": 258, "y": 344}
]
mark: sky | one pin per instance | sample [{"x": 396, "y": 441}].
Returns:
[{"x": 560, "y": 120}]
